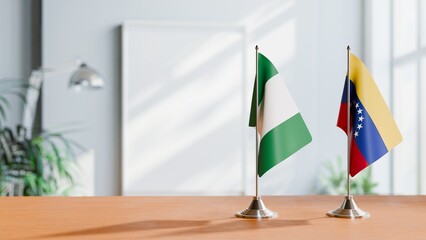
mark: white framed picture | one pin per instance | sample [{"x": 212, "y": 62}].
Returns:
[{"x": 184, "y": 115}]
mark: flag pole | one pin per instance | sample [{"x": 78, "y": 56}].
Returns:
[
  {"x": 257, "y": 120},
  {"x": 257, "y": 208},
  {"x": 348, "y": 89},
  {"x": 348, "y": 209}
]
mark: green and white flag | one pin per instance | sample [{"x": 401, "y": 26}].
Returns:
[{"x": 281, "y": 127}]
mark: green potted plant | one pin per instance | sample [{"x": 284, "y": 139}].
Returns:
[{"x": 36, "y": 165}]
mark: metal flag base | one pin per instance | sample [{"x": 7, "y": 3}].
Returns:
[
  {"x": 348, "y": 209},
  {"x": 257, "y": 209}
]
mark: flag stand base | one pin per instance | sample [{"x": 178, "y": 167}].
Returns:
[
  {"x": 257, "y": 209},
  {"x": 348, "y": 209}
]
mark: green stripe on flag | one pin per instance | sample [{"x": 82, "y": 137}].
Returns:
[
  {"x": 266, "y": 71},
  {"x": 281, "y": 142},
  {"x": 252, "y": 119}
]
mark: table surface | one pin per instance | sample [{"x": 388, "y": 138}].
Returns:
[{"x": 300, "y": 217}]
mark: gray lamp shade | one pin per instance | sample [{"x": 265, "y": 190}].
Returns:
[{"x": 86, "y": 77}]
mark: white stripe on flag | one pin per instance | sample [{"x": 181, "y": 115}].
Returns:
[{"x": 277, "y": 105}]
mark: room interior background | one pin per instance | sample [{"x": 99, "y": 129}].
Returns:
[{"x": 305, "y": 39}]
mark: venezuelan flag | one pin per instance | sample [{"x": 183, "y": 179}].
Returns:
[{"x": 373, "y": 130}]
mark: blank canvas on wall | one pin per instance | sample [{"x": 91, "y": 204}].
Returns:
[{"x": 183, "y": 116}]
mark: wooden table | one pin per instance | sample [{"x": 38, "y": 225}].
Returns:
[{"x": 301, "y": 217}]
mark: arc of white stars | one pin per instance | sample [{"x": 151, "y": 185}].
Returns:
[{"x": 360, "y": 119}]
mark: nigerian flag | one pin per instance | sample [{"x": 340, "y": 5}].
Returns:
[{"x": 281, "y": 127}]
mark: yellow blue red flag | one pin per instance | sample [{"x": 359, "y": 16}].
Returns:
[{"x": 373, "y": 130}]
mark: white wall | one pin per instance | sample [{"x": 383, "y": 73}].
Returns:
[
  {"x": 15, "y": 48},
  {"x": 394, "y": 59},
  {"x": 306, "y": 39}
]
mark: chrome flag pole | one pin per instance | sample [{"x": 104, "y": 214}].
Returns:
[
  {"x": 348, "y": 209},
  {"x": 257, "y": 208}
]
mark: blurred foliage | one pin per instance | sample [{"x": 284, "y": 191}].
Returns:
[
  {"x": 42, "y": 164},
  {"x": 334, "y": 179}
]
